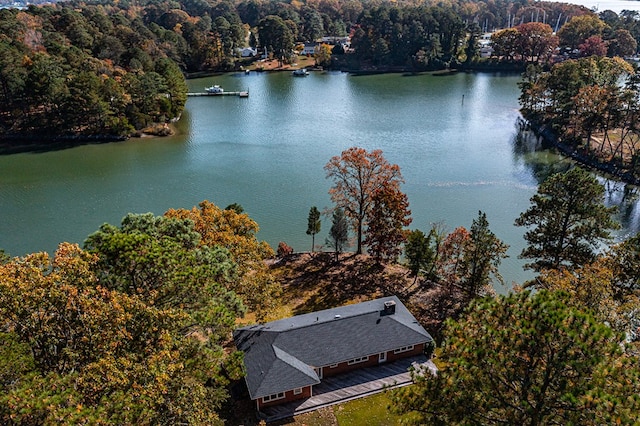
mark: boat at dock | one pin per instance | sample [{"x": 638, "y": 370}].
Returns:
[
  {"x": 214, "y": 89},
  {"x": 302, "y": 72}
]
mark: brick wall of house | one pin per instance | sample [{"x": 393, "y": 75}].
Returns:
[
  {"x": 417, "y": 350},
  {"x": 344, "y": 367},
  {"x": 288, "y": 396}
]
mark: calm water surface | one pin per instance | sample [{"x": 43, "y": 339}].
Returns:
[{"x": 453, "y": 137}]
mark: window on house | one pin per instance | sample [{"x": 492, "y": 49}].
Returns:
[
  {"x": 297, "y": 391},
  {"x": 333, "y": 365},
  {"x": 358, "y": 360},
  {"x": 403, "y": 349},
  {"x": 273, "y": 397}
]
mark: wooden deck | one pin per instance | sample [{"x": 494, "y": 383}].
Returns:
[{"x": 348, "y": 386}]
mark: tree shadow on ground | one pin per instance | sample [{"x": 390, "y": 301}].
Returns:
[{"x": 316, "y": 281}]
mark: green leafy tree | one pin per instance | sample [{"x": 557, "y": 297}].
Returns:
[
  {"x": 525, "y": 359},
  {"x": 418, "y": 251},
  {"x": 236, "y": 232},
  {"x": 339, "y": 233},
  {"x": 567, "y": 221},
  {"x": 580, "y": 28},
  {"x": 421, "y": 252},
  {"x": 313, "y": 225},
  {"x": 275, "y": 35},
  {"x": 159, "y": 259}
]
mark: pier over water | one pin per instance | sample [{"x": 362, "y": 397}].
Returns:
[{"x": 243, "y": 94}]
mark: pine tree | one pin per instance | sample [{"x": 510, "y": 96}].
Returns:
[
  {"x": 567, "y": 221},
  {"x": 339, "y": 233},
  {"x": 313, "y": 225}
]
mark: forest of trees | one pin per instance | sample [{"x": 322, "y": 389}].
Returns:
[
  {"x": 132, "y": 328},
  {"x": 590, "y": 107},
  {"x": 102, "y": 70}
]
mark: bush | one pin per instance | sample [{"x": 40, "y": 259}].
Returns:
[{"x": 284, "y": 249}]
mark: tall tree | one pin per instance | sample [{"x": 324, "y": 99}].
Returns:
[
  {"x": 580, "y": 28},
  {"x": 159, "y": 259},
  {"x": 235, "y": 231},
  {"x": 386, "y": 226},
  {"x": 275, "y": 35},
  {"x": 420, "y": 252},
  {"x": 525, "y": 359},
  {"x": 357, "y": 175},
  {"x": 566, "y": 222},
  {"x": 536, "y": 42},
  {"x": 483, "y": 255},
  {"x": 313, "y": 225},
  {"x": 339, "y": 232}
]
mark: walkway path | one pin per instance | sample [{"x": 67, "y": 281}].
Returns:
[{"x": 349, "y": 386}]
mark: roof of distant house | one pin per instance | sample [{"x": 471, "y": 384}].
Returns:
[{"x": 281, "y": 355}]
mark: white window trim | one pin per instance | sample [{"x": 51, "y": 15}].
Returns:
[
  {"x": 333, "y": 365},
  {"x": 358, "y": 360},
  {"x": 403, "y": 349},
  {"x": 297, "y": 391},
  {"x": 274, "y": 397}
]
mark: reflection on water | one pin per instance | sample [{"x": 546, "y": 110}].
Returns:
[
  {"x": 453, "y": 138},
  {"x": 544, "y": 162}
]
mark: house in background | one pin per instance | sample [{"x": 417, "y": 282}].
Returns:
[
  {"x": 284, "y": 359},
  {"x": 309, "y": 49},
  {"x": 248, "y": 52}
]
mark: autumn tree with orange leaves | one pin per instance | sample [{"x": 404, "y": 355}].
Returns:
[
  {"x": 235, "y": 231},
  {"x": 386, "y": 230},
  {"x": 357, "y": 175}
]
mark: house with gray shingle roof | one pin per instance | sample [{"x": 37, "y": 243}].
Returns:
[{"x": 284, "y": 359}]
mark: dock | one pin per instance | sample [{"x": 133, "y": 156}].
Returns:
[{"x": 243, "y": 94}]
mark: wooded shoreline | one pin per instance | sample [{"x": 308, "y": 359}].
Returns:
[{"x": 551, "y": 140}]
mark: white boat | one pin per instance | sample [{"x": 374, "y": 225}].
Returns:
[
  {"x": 214, "y": 89},
  {"x": 302, "y": 72}
]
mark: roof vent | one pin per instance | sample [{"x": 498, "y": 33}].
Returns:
[
  {"x": 389, "y": 307},
  {"x": 337, "y": 317}
]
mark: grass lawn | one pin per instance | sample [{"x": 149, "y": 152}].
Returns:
[{"x": 369, "y": 411}]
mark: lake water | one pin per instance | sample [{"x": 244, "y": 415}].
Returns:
[{"x": 452, "y": 136}]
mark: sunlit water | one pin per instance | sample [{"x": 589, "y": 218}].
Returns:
[{"x": 452, "y": 136}]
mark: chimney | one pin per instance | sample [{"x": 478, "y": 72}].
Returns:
[{"x": 389, "y": 307}]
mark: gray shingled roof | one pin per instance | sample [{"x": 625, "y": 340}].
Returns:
[{"x": 281, "y": 355}]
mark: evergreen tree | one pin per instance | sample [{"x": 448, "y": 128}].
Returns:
[
  {"x": 525, "y": 359},
  {"x": 483, "y": 256},
  {"x": 339, "y": 233},
  {"x": 422, "y": 252},
  {"x": 567, "y": 221},
  {"x": 313, "y": 225}
]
